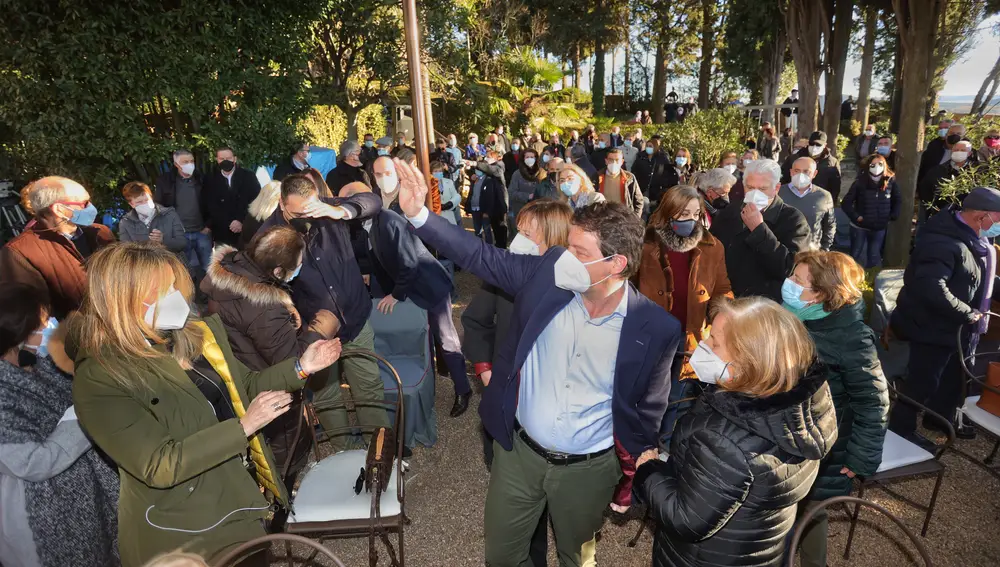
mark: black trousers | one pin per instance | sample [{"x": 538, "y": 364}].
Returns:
[{"x": 933, "y": 378}]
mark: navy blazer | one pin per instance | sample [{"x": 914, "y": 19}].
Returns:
[
  {"x": 650, "y": 337},
  {"x": 403, "y": 266}
]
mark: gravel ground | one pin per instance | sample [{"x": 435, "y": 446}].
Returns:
[{"x": 447, "y": 492}]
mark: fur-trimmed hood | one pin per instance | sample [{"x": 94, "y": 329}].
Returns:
[
  {"x": 674, "y": 242},
  {"x": 802, "y": 421},
  {"x": 232, "y": 275}
]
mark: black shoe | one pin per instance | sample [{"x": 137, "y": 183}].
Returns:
[
  {"x": 965, "y": 431},
  {"x": 407, "y": 452},
  {"x": 461, "y": 404}
]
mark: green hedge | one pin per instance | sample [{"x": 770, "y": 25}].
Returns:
[
  {"x": 327, "y": 125},
  {"x": 708, "y": 135}
]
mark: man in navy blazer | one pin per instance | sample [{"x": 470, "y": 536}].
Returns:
[
  {"x": 402, "y": 268},
  {"x": 583, "y": 374}
]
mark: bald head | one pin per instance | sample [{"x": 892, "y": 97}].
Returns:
[
  {"x": 353, "y": 188},
  {"x": 804, "y": 165}
]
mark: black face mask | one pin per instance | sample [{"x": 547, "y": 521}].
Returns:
[
  {"x": 301, "y": 225},
  {"x": 953, "y": 139},
  {"x": 227, "y": 165}
]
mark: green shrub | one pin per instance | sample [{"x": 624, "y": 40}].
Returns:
[
  {"x": 985, "y": 175},
  {"x": 707, "y": 135},
  {"x": 327, "y": 125}
]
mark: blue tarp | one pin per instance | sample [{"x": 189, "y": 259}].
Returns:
[{"x": 320, "y": 158}]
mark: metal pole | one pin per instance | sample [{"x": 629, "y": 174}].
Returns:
[{"x": 411, "y": 31}]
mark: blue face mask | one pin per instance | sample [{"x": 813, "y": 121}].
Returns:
[
  {"x": 514, "y": 147},
  {"x": 85, "y": 216},
  {"x": 992, "y": 232},
  {"x": 369, "y": 143},
  {"x": 684, "y": 227},
  {"x": 791, "y": 293},
  {"x": 46, "y": 332},
  {"x": 295, "y": 274},
  {"x": 439, "y": 175},
  {"x": 383, "y": 152},
  {"x": 569, "y": 188},
  {"x": 681, "y": 161},
  {"x": 649, "y": 150},
  {"x": 884, "y": 150},
  {"x": 942, "y": 132}
]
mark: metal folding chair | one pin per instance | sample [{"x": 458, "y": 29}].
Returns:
[
  {"x": 326, "y": 506},
  {"x": 904, "y": 460},
  {"x": 845, "y": 500},
  {"x": 254, "y": 546},
  {"x": 972, "y": 413}
]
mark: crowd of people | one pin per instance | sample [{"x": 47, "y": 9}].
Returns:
[{"x": 650, "y": 329}]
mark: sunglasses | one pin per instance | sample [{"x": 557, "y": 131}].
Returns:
[
  {"x": 817, "y": 144},
  {"x": 993, "y": 137}
]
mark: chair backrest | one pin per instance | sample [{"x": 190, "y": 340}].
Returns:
[
  {"x": 970, "y": 376},
  {"x": 237, "y": 554},
  {"x": 801, "y": 525}
]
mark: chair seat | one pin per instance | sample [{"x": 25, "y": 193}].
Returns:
[
  {"x": 981, "y": 417},
  {"x": 898, "y": 452},
  {"x": 327, "y": 492}
]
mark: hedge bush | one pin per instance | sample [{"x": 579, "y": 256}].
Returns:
[
  {"x": 708, "y": 135},
  {"x": 327, "y": 125}
]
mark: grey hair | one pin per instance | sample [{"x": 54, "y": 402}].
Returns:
[
  {"x": 715, "y": 179},
  {"x": 963, "y": 142},
  {"x": 39, "y": 195},
  {"x": 347, "y": 148},
  {"x": 764, "y": 166},
  {"x": 178, "y": 154}
]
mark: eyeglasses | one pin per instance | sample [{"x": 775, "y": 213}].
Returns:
[
  {"x": 81, "y": 204},
  {"x": 993, "y": 137}
]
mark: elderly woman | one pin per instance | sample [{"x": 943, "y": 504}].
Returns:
[
  {"x": 576, "y": 187},
  {"x": 748, "y": 450},
  {"x": 990, "y": 149},
  {"x": 824, "y": 292},
  {"x": 714, "y": 186},
  {"x": 58, "y": 498}
]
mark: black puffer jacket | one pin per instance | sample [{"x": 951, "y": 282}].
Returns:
[
  {"x": 876, "y": 203},
  {"x": 847, "y": 346},
  {"x": 941, "y": 282},
  {"x": 738, "y": 467}
]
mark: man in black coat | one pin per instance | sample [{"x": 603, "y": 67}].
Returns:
[
  {"x": 827, "y": 166},
  {"x": 939, "y": 149},
  {"x": 599, "y": 157},
  {"x": 947, "y": 287},
  {"x": 487, "y": 201},
  {"x": 228, "y": 194},
  {"x": 579, "y": 157},
  {"x": 762, "y": 237},
  {"x": 929, "y": 188},
  {"x": 349, "y": 168},
  {"x": 402, "y": 268},
  {"x": 369, "y": 152},
  {"x": 298, "y": 161}
]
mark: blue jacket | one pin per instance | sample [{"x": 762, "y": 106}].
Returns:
[
  {"x": 403, "y": 266},
  {"x": 650, "y": 338},
  {"x": 330, "y": 278}
]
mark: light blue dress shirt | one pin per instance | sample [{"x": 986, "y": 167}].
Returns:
[{"x": 564, "y": 402}]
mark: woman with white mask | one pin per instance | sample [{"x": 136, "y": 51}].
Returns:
[
  {"x": 524, "y": 184},
  {"x": 162, "y": 394},
  {"x": 541, "y": 224},
  {"x": 750, "y": 447}
]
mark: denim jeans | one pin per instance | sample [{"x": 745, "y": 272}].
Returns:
[
  {"x": 197, "y": 254},
  {"x": 679, "y": 389},
  {"x": 866, "y": 246},
  {"x": 482, "y": 226}
]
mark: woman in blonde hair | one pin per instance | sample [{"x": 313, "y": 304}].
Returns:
[
  {"x": 161, "y": 393},
  {"x": 577, "y": 187},
  {"x": 824, "y": 292},
  {"x": 683, "y": 270},
  {"x": 260, "y": 210},
  {"x": 748, "y": 450}
]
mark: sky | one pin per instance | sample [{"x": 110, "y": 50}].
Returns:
[{"x": 963, "y": 78}]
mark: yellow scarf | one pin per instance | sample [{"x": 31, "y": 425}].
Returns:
[{"x": 212, "y": 352}]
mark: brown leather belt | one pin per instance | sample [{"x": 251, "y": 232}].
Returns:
[{"x": 554, "y": 457}]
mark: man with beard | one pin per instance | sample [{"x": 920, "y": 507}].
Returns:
[
  {"x": 331, "y": 279},
  {"x": 714, "y": 186}
]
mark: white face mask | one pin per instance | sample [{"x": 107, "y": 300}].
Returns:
[
  {"x": 187, "y": 168},
  {"x": 529, "y": 161},
  {"x": 959, "y": 157},
  {"x": 145, "y": 209},
  {"x": 171, "y": 312},
  {"x": 614, "y": 168},
  {"x": 801, "y": 180},
  {"x": 523, "y": 245},
  {"x": 869, "y": 133},
  {"x": 572, "y": 275},
  {"x": 758, "y": 198},
  {"x": 708, "y": 366},
  {"x": 731, "y": 168},
  {"x": 387, "y": 183},
  {"x": 816, "y": 150},
  {"x": 876, "y": 169}
]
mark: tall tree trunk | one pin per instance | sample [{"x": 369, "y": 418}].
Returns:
[
  {"x": 577, "y": 76},
  {"x": 352, "y": 121},
  {"x": 565, "y": 77},
  {"x": 981, "y": 102},
  {"x": 707, "y": 50},
  {"x": 627, "y": 84},
  {"x": 807, "y": 26},
  {"x": 771, "y": 79},
  {"x": 916, "y": 34},
  {"x": 867, "y": 64},
  {"x": 836, "y": 59},
  {"x": 897, "y": 89},
  {"x": 659, "y": 83},
  {"x": 614, "y": 59}
]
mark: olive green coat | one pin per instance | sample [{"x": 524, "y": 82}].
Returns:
[{"x": 182, "y": 472}]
